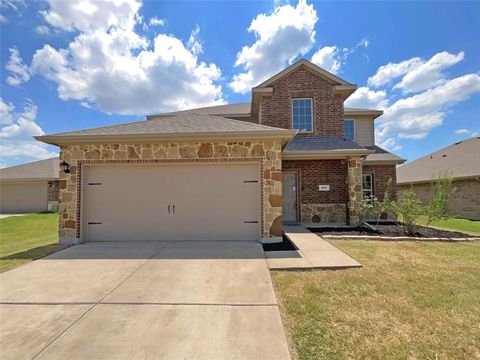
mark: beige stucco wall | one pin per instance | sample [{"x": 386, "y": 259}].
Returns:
[
  {"x": 364, "y": 131},
  {"x": 268, "y": 153},
  {"x": 465, "y": 201},
  {"x": 23, "y": 196}
]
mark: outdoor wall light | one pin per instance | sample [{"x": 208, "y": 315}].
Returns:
[{"x": 65, "y": 167}]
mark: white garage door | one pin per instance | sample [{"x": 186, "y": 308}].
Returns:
[
  {"x": 23, "y": 197},
  {"x": 154, "y": 202}
]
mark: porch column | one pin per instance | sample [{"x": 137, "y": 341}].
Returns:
[{"x": 354, "y": 189}]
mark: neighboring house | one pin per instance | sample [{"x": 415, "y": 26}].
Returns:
[
  {"x": 30, "y": 187},
  {"x": 460, "y": 161},
  {"x": 230, "y": 172}
]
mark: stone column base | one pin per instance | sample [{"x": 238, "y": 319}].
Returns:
[{"x": 69, "y": 241}]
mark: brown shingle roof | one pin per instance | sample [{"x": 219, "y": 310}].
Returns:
[
  {"x": 177, "y": 125},
  {"x": 244, "y": 109},
  {"x": 381, "y": 156},
  {"x": 321, "y": 144},
  {"x": 227, "y": 109},
  {"x": 38, "y": 170},
  {"x": 459, "y": 160}
]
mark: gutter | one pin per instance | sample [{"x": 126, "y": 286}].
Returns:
[
  {"x": 325, "y": 154},
  {"x": 383, "y": 162}
]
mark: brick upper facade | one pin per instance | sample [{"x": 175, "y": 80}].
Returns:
[
  {"x": 276, "y": 110},
  {"x": 381, "y": 174}
]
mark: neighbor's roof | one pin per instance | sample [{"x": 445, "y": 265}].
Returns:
[
  {"x": 38, "y": 170},
  {"x": 244, "y": 109},
  {"x": 459, "y": 160},
  {"x": 178, "y": 126},
  {"x": 380, "y": 155}
]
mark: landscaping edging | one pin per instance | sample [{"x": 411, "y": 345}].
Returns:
[{"x": 396, "y": 238}]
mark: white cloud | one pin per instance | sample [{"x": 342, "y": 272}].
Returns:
[
  {"x": 155, "y": 21},
  {"x": 413, "y": 117},
  {"x": 17, "y": 6},
  {"x": 18, "y": 70},
  {"x": 428, "y": 74},
  {"x": 16, "y": 137},
  {"x": 42, "y": 30},
  {"x": 332, "y": 58},
  {"x": 86, "y": 15},
  {"x": 467, "y": 132},
  {"x": 6, "y": 111},
  {"x": 364, "y": 97},
  {"x": 386, "y": 73},
  {"x": 390, "y": 144},
  {"x": 328, "y": 58},
  {"x": 364, "y": 42},
  {"x": 116, "y": 70},
  {"x": 281, "y": 37},
  {"x": 193, "y": 42}
]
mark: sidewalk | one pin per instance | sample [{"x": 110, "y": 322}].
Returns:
[{"x": 313, "y": 253}]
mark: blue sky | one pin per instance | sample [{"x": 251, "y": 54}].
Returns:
[{"x": 72, "y": 65}]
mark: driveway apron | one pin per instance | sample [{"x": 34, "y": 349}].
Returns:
[{"x": 168, "y": 300}]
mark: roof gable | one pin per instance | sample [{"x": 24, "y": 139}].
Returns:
[{"x": 335, "y": 80}]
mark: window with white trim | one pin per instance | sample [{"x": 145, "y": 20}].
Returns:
[
  {"x": 349, "y": 129},
  {"x": 302, "y": 114},
  {"x": 367, "y": 185}
]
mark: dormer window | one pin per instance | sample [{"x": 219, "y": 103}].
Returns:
[
  {"x": 302, "y": 114},
  {"x": 349, "y": 130}
]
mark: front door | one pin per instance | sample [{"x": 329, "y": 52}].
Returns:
[{"x": 289, "y": 182}]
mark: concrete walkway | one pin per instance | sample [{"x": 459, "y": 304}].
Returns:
[
  {"x": 178, "y": 300},
  {"x": 4, "y": 216},
  {"x": 313, "y": 253}
]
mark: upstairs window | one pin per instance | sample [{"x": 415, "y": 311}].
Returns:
[
  {"x": 302, "y": 116},
  {"x": 349, "y": 129}
]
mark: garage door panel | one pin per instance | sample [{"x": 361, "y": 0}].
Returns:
[{"x": 176, "y": 202}]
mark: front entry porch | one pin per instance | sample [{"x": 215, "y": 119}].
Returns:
[{"x": 321, "y": 192}]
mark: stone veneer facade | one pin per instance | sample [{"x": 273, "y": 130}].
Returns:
[
  {"x": 267, "y": 153},
  {"x": 323, "y": 213},
  {"x": 355, "y": 193}
]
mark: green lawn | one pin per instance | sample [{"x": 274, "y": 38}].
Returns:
[
  {"x": 26, "y": 238},
  {"x": 455, "y": 224},
  {"x": 411, "y": 300}
]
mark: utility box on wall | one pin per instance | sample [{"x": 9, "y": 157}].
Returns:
[{"x": 323, "y": 187}]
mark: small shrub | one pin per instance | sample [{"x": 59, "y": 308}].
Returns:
[
  {"x": 440, "y": 194},
  {"x": 408, "y": 208}
]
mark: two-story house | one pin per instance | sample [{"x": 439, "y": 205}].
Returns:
[{"x": 231, "y": 172}]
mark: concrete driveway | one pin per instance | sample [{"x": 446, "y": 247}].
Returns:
[{"x": 183, "y": 300}]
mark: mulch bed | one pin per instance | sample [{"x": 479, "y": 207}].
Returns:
[
  {"x": 285, "y": 245},
  {"x": 392, "y": 230}
]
